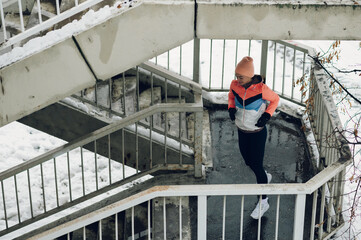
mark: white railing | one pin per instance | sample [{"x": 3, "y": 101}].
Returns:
[
  {"x": 11, "y": 38},
  {"x": 151, "y": 148},
  {"x": 212, "y": 63},
  {"x": 204, "y": 194}
]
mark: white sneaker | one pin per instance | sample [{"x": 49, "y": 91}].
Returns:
[
  {"x": 259, "y": 211},
  {"x": 269, "y": 177}
]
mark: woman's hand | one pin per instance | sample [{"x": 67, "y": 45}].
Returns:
[
  {"x": 263, "y": 119},
  {"x": 232, "y": 112}
]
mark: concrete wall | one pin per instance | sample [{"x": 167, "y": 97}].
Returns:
[
  {"x": 112, "y": 47},
  {"x": 136, "y": 36},
  {"x": 297, "y": 20},
  {"x": 42, "y": 79},
  {"x": 153, "y": 27}
]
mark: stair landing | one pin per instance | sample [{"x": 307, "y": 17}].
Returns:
[{"x": 286, "y": 158}]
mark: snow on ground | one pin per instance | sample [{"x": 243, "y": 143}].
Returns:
[{"x": 19, "y": 143}]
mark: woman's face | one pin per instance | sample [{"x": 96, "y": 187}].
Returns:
[{"x": 243, "y": 80}]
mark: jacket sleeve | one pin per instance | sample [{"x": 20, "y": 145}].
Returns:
[
  {"x": 272, "y": 97},
  {"x": 231, "y": 101}
]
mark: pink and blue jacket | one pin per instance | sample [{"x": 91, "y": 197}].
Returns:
[{"x": 251, "y": 103}]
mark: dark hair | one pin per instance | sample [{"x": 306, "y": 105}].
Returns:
[{"x": 259, "y": 78}]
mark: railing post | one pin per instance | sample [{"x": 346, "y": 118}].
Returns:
[
  {"x": 299, "y": 216},
  {"x": 198, "y": 129},
  {"x": 263, "y": 70},
  {"x": 202, "y": 218},
  {"x": 196, "y": 60}
]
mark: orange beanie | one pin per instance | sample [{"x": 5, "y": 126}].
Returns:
[{"x": 245, "y": 67}]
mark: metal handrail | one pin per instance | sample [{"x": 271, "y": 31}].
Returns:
[
  {"x": 102, "y": 132},
  {"x": 42, "y": 25},
  {"x": 92, "y": 138},
  {"x": 200, "y": 191}
]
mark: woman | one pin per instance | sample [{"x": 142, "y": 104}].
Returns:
[{"x": 247, "y": 106}]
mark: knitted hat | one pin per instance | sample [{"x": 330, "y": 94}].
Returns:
[{"x": 245, "y": 67}]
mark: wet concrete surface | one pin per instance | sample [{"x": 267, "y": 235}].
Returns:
[{"x": 286, "y": 158}]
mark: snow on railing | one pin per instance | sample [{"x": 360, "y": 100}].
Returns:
[
  {"x": 153, "y": 136},
  {"x": 57, "y": 187},
  {"x": 204, "y": 195},
  {"x": 10, "y": 38}
]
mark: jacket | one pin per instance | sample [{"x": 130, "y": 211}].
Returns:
[{"x": 251, "y": 103}]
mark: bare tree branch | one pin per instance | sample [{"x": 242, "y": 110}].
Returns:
[{"x": 316, "y": 59}]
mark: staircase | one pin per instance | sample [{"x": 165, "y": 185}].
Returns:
[{"x": 129, "y": 123}]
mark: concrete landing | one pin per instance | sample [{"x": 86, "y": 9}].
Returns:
[{"x": 286, "y": 158}]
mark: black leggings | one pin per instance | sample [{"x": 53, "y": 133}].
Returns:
[{"x": 251, "y": 146}]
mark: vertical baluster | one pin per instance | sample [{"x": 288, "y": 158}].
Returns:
[
  {"x": 180, "y": 59},
  {"x": 313, "y": 215},
  {"x": 180, "y": 126},
  {"x": 274, "y": 66},
  {"x": 330, "y": 206},
  {"x": 17, "y": 198},
  {"x": 202, "y": 217},
  {"x": 109, "y": 160},
  {"x": 303, "y": 73},
  {"x": 3, "y": 20},
  {"x": 277, "y": 216},
  {"x": 116, "y": 227},
  {"x": 321, "y": 222},
  {"x": 264, "y": 58},
  {"x": 5, "y": 214},
  {"x": 133, "y": 237},
  {"x": 168, "y": 59},
  {"x": 165, "y": 123},
  {"x": 224, "y": 53},
  {"x": 30, "y": 196},
  {"x": 164, "y": 219},
  {"x": 76, "y": 3},
  {"x": 210, "y": 64},
  {"x": 259, "y": 219},
  {"x": 299, "y": 218},
  {"x": 68, "y": 236},
  {"x": 84, "y": 233},
  {"x": 241, "y": 221},
  {"x": 69, "y": 177},
  {"x": 136, "y": 148},
  {"x": 151, "y": 125},
  {"x": 236, "y": 57},
  {"x": 100, "y": 230},
  {"x": 284, "y": 70},
  {"x": 42, "y": 185},
  {"x": 249, "y": 47},
  {"x": 57, "y": 7},
  {"x": 149, "y": 223},
  {"x": 180, "y": 219},
  {"x": 340, "y": 196},
  {"x": 21, "y": 16},
  {"x": 137, "y": 87},
  {"x": 96, "y": 165},
  {"x": 293, "y": 73},
  {"x": 56, "y": 183},
  {"x": 123, "y": 154},
  {"x": 82, "y": 169},
  {"x": 96, "y": 93},
  {"x": 224, "y": 218}
]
